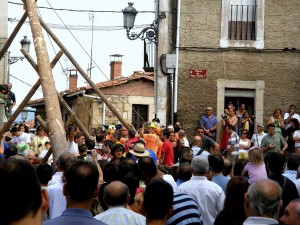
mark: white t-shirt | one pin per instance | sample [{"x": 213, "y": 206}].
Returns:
[
  {"x": 73, "y": 148},
  {"x": 297, "y": 135},
  {"x": 42, "y": 155},
  {"x": 256, "y": 139},
  {"x": 23, "y": 137},
  {"x": 296, "y": 116}
]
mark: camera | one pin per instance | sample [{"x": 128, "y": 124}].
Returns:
[{"x": 224, "y": 116}]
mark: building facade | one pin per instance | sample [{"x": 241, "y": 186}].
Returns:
[
  {"x": 3, "y": 38},
  {"x": 240, "y": 51}
]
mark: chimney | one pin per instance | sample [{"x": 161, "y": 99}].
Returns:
[
  {"x": 73, "y": 78},
  {"x": 115, "y": 66}
]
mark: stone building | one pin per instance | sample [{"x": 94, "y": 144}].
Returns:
[
  {"x": 132, "y": 97},
  {"x": 3, "y": 38},
  {"x": 235, "y": 50}
]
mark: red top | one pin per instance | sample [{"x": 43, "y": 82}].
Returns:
[{"x": 169, "y": 154}]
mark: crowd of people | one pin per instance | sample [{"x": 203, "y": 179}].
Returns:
[{"x": 156, "y": 175}]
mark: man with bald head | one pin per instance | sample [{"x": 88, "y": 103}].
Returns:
[
  {"x": 116, "y": 197},
  {"x": 263, "y": 202}
]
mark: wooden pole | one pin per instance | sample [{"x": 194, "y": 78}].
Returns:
[
  {"x": 85, "y": 76},
  {"x": 57, "y": 132},
  {"x": 42, "y": 123},
  {"x": 60, "y": 98},
  {"x": 30, "y": 93},
  {"x": 12, "y": 36}
]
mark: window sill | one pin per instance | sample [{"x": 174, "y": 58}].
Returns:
[{"x": 224, "y": 43}]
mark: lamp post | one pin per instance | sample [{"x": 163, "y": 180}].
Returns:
[
  {"x": 24, "y": 114},
  {"x": 148, "y": 33},
  {"x": 25, "y": 44}
]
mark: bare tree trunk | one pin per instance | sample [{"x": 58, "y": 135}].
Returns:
[{"x": 57, "y": 133}]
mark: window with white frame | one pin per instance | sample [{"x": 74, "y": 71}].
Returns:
[{"x": 242, "y": 23}]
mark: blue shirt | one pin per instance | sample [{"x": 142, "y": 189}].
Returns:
[
  {"x": 209, "y": 123},
  {"x": 74, "y": 216},
  {"x": 5, "y": 145},
  {"x": 221, "y": 181}
]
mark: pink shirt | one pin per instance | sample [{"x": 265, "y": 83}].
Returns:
[{"x": 256, "y": 172}]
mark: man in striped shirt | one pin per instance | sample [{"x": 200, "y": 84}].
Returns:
[{"x": 185, "y": 211}]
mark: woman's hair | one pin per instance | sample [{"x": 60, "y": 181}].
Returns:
[
  {"x": 295, "y": 122},
  {"x": 235, "y": 191},
  {"x": 255, "y": 155},
  {"x": 276, "y": 111},
  {"x": 25, "y": 127}
]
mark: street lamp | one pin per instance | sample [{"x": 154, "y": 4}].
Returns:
[
  {"x": 149, "y": 33},
  {"x": 24, "y": 114},
  {"x": 25, "y": 43}
]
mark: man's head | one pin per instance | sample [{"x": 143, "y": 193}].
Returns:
[
  {"x": 263, "y": 199},
  {"x": 292, "y": 213},
  {"x": 292, "y": 108},
  {"x": 4, "y": 89},
  {"x": 79, "y": 138},
  {"x": 158, "y": 200},
  {"x": 271, "y": 129},
  {"x": 9, "y": 86},
  {"x": 124, "y": 132},
  {"x": 293, "y": 161},
  {"x": 131, "y": 133},
  {"x": 31, "y": 200},
  {"x": 200, "y": 131},
  {"x": 184, "y": 171},
  {"x": 47, "y": 145},
  {"x": 259, "y": 128},
  {"x": 164, "y": 135},
  {"x": 209, "y": 110},
  {"x": 29, "y": 156},
  {"x": 216, "y": 162},
  {"x": 44, "y": 172},
  {"x": 275, "y": 163},
  {"x": 197, "y": 141},
  {"x": 147, "y": 167},
  {"x": 227, "y": 170},
  {"x": 200, "y": 166},
  {"x": 116, "y": 137},
  {"x": 181, "y": 133},
  {"x": 81, "y": 180},
  {"x": 82, "y": 149},
  {"x": 63, "y": 161},
  {"x": 116, "y": 194}
]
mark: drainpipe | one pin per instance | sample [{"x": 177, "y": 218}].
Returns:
[{"x": 177, "y": 55}]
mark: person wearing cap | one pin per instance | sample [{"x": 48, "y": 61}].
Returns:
[
  {"x": 151, "y": 139},
  {"x": 139, "y": 151},
  {"x": 258, "y": 136}
]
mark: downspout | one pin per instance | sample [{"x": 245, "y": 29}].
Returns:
[
  {"x": 155, "y": 61},
  {"x": 177, "y": 56},
  {"x": 103, "y": 113}
]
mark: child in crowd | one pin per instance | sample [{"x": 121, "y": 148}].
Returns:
[
  {"x": 44, "y": 152},
  {"x": 255, "y": 168}
]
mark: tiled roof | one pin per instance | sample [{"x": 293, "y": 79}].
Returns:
[{"x": 118, "y": 81}]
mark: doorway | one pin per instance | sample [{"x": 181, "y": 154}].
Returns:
[{"x": 238, "y": 97}]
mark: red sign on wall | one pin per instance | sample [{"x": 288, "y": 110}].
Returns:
[{"x": 197, "y": 73}]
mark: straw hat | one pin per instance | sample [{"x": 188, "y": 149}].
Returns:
[{"x": 139, "y": 150}]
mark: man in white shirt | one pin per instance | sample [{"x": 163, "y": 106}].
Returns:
[
  {"x": 263, "y": 202},
  {"x": 57, "y": 200},
  {"x": 290, "y": 115},
  {"x": 208, "y": 195},
  {"x": 75, "y": 140},
  {"x": 258, "y": 136},
  {"x": 116, "y": 197}
]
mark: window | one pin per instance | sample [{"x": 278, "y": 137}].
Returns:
[
  {"x": 139, "y": 115},
  {"x": 242, "y": 23}
]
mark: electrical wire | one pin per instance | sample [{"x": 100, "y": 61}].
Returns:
[
  {"x": 77, "y": 10},
  {"x": 90, "y": 56}
]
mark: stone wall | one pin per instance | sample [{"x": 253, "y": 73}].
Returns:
[{"x": 199, "y": 49}]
